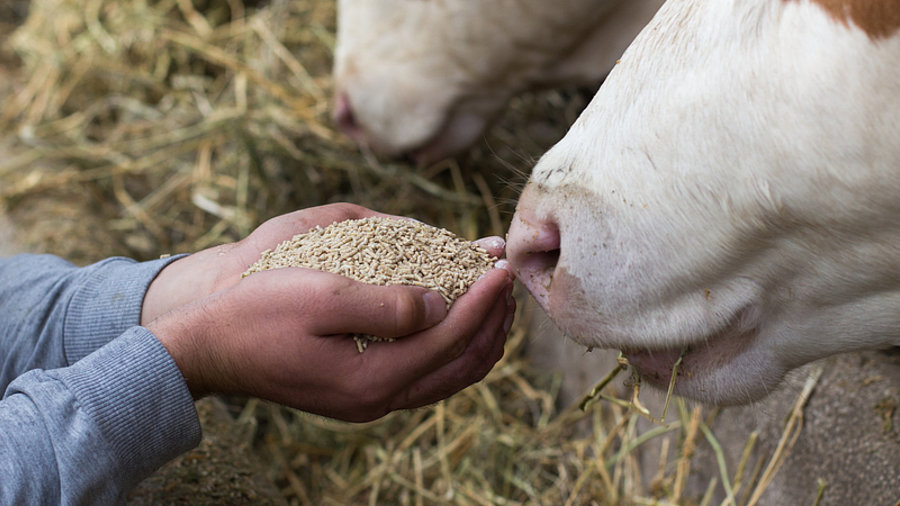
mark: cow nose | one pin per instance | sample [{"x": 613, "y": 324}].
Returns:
[
  {"x": 533, "y": 249},
  {"x": 344, "y": 117}
]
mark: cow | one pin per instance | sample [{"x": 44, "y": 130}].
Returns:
[
  {"x": 730, "y": 197},
  {"x": 425, "y": 79}
]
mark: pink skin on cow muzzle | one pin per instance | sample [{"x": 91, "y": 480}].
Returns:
[
  {"x": 533, "y": 251},
  {"x": 459, "y": 132},
  {"x": 345, "y": 119},
  {"x": 724, "y": 365}
]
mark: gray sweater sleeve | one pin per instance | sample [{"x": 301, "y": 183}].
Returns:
[
  {"x": 93, "y": 402},
  {"x": 53, "y": 313}
]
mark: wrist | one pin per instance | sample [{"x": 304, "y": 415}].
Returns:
[
  {"x": 188, "y": 279},
  {"x": 181, "y": 338}
]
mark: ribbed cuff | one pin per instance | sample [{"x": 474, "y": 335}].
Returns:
[
  {"x": 139, "y": 399},
  {"x": 109, "y": 302}
]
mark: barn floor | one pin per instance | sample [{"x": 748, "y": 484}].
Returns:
[{"x": 153, "y": 127}]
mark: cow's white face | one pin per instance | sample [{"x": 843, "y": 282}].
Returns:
[
  {"x": 425, "y": 77},
  {"x": 734, "y": 190}
]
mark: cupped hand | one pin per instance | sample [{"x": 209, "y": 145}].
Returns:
[
  {"x": 213, "y": 269},
  {"x": 285, "y": 335},
  {"x": 203, "y": 273}
]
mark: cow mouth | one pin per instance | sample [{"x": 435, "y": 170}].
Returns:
[
  {"x": 713, "y": 355},
  {"x": 656, "y": 366},
  {"x": 424, "y": 153},
  {"x": 456, "y": 135}
]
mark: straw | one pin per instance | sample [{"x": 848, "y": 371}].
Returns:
[{"x": 144, "y": 128}]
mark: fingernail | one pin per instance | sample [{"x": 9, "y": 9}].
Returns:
[
  {"x": 504, "y": 264},
  {"x": 492, "y": 243},
  {"x": 435, "y": 307}
]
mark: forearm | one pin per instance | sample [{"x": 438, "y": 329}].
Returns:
[
  {"x": 89, "y": 432},
  {"x": 53, "y": 313}
]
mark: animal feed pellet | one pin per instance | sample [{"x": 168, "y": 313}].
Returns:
[{"x": 385, "y": 251}]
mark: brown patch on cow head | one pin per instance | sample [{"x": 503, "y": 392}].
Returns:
[{"x": 878, "y": 18}]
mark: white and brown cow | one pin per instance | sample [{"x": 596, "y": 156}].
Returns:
[
  {"x": 731, "y": 192},
  {"x": 425, "y": 78}
]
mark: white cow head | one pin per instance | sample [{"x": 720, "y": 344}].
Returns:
[
  {"x": 733, "y": 189},
  {"x": 425, "y": 77}
]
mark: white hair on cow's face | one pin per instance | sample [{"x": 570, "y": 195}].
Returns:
[
  {"x": 428, "y": 77},
  {"x": 733, "y": 188}
]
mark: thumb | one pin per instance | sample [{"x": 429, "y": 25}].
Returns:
[{"x": 383, "y": 311}]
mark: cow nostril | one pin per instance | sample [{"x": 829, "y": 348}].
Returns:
[
  {"x": 344, "y": 117},
  {"x": 542, "y": 258},
  {"x": 539, "y": 265},
  {"x": 534, "y": 250}
]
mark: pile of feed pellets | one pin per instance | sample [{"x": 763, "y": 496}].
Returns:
[{"x": 385, "y": 251}]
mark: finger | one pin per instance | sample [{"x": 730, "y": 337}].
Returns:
[
  {"x": 345, "y": 306},
  {"x": 415, "y": 356},
  {"x": 494, "y": 245},
  {"x": 483, "y": 352},
  {"x": 387, "y": 370}
]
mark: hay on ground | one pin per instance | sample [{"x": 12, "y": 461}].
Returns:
[{"x": 146, "y": 127}]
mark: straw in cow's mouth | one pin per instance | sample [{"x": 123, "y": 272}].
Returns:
[{"x": 635, "y": 381}]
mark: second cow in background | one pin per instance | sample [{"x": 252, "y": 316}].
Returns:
[{"x": 426, "y": 79}]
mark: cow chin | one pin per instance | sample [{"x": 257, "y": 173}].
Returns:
[
  {"x": 458, "y": 133},
  {"x": 725, "y": 366},
  {"x": 444, "y": 127},
  {"x": 722, "y": 370}
]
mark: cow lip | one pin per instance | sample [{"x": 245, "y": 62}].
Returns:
[
  {"x": 700, "y": 358},
  {"x": 456, "y": 135},
  {"x": 431, "y": 150},
  {"x": 655, "y": 366}
]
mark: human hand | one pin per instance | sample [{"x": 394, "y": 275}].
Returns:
[
  {"x": 279, "y": 341},
  {"x": 214, "y": 269},
  {"x": 285, "y": 335}
]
